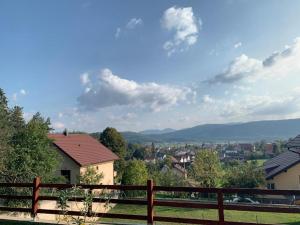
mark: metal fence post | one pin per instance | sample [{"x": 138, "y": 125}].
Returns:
[
  {"x": 220, "y": 207},
  {"x": 150, "y": 202},
  {"x": 35, "y": 196}
]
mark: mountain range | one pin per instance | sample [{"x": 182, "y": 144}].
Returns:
[{"x": 249, "y": 131}]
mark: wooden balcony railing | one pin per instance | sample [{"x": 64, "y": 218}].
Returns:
[{"x": 151, "y": 202}]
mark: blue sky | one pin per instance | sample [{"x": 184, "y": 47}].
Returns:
[{"x": 137, "y": 65}]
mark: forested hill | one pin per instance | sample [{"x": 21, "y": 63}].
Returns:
[{"x": 250, "y": 131}]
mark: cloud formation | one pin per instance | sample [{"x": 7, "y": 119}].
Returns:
[
  {"x": 58, "y": 125},
  {"x": 278, "y": 64},
  {"x": 185, "y": 26},
  {"x": 16, "y": 95},
  {"x": 111, "y": 90},
  {"x": 237, "y": 45},
  {"x": 133, "y": 23},
  {"x": 238, "y": 69},
  {"x": 84, "y": 78},
  {"x": 252, "y": 107}
]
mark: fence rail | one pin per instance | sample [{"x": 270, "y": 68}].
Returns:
[{"x": 151, "y": 202}]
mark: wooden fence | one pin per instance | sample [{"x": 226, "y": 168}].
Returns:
[{"x": 151, "y": 202}]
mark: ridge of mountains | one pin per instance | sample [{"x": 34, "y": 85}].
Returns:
[{"x": 249, "y": 131}]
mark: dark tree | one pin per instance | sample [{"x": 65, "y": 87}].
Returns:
[{"x": 113, "y": 140}]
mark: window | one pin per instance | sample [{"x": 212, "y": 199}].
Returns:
[
  {"x": 67, "y": 175},
  {"x": 271, "y": 186}
]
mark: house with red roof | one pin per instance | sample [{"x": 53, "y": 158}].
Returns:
[{"x": 80, "y": 151}]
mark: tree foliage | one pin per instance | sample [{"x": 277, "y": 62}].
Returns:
[
  {"x": 244, "y": 175},
  {"x": 25, "y": 150},
  {"x": 90, "y": 176},
  {"x": 135, "y": 174},
  {"x": 113, "y": 140},
  {"x": 31, "y": 153},
  {"x": 206, "y": 168}
]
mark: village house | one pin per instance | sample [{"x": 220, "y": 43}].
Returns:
[
  {"x": 80, "y": 151},
  {"x": 283, "y": 171}
]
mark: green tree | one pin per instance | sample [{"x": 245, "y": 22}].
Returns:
[
  {"x": 5, "y": 129},
  {"x": 244, "y": 175},
  {"x": 206, "y": 168},
  {"x": 168, "y": 161},
  {"x": 169, "y": 178},
  {"x": 113, "y": 140},
  {"x": 90, "y": 176},
  {"x": 135, "y": 151},
  {"x": 17, "y": 124},
  {"x": 32, "y": 154},
  {"x": 135, "y": 174}
]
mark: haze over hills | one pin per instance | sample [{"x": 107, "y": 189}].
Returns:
[
  {"x": 157, "y": 131},
  {"x": 249, "y": 131}
]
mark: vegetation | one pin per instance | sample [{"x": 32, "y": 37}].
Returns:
[
  {"x": 90, "y": 176},
  {"x": 239, "y": 216},
  {"x": 135, "y": 174},
  {"x": 244, "y": 175},
  {"x": 26, "y": 151},
  {"x": 112, "y": 139},
  {"x": 206, "y": 169}
]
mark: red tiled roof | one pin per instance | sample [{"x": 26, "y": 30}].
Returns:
[{"x": 83, "y": 149}]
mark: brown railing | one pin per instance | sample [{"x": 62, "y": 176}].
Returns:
[{"x": 151, "y": 202}]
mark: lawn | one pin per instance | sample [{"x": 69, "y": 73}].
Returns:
[
  {"x": 238, "y": 216},
  {"x": 260, "y": 162}
]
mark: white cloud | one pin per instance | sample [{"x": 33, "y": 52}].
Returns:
[
  {"x": 16, "y": 95},
  {"x": 252, "y": 107},
  {"x": 134, "y": 22},
  {"x": 84, "y": 78},
  {"x": 131, "y": 24},
  {"x": 276, "y": 66},
  {"x": 111, "y": 90},
  {"x": 58, "y": 125},
  {"x": 118, "y": 32},
  {"x": 185, "y": 26},
  {"x": 237, "y": 45},
  {"x": 60, "y": 115},
  {"x": 28, "y": 115},
  {"x": 238, "y": 69},
  {"x": 23, "y": 92},
  {"x": 207, "y": 99}
]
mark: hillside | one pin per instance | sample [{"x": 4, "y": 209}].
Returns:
[
  {"x": 157, "y": 131},
  {"x": 250, "y": 131}
]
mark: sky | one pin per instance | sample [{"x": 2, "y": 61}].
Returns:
[{"x": 138, "y": 64}]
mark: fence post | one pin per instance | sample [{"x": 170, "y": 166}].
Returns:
[
  {"x": 90, "y": 207},
  {"x": 220, "y": 207},
  {"x": 150, "y": 202},
  {"x": 35, "y": 196}
]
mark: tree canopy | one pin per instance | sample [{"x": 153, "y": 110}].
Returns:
[
  {"x": 244, "y": 175},
  {"x": 206, "y": 169},
  {"x": 26, "y": 150},
  {"x": 113, "y": 140}
]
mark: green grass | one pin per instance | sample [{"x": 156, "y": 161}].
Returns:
[
  {"x": 237, "y": 216},
  {"x": 260, "y": 162}
]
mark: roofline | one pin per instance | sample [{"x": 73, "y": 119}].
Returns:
[
  {"x": 91, "y": 164},
  {"x": 280, "y": 171},
  {"x": 81, "y": 165},
  {"x": 67, "y": 154}
]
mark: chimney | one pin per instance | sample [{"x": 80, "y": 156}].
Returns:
[{"x": 65, "y": 132}]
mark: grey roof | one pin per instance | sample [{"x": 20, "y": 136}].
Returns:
[
  {"x": 281, "y": 162},
  {"x": 294, "y": 143}
]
